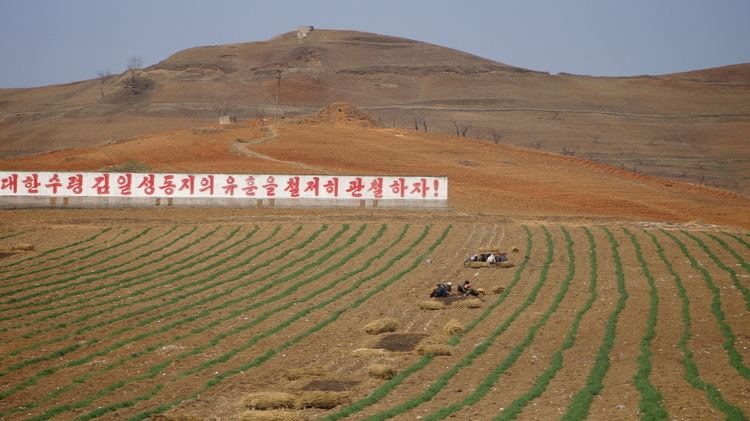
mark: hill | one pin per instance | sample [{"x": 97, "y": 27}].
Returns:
[
  {"x": 688, "y": 127},
  {"x": 495, "y": 180}
]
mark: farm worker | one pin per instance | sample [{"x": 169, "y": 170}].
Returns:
[
  {"x": 442, "y": 290},
  {"x": 467, "y": 289},
  {"x": 491, "y": 259}
]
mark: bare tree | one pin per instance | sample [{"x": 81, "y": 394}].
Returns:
[
  {"x": 416, "y": 124},
  {"x": 424, "y": 125},
  {"x": 223, "y": 111},
  {"x": 103, "y": 75},
  {"x": 497, "y": 135},
  {"x": 134, "y": 63},
  {"x": 461, "y": 129},
  {"x": 569, "y": 150}
]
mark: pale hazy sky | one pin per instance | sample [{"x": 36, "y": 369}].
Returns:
[{"x": 57, "y": 41}]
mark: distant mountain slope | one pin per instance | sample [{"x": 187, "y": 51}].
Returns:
[{"x": 675, "y": 126}]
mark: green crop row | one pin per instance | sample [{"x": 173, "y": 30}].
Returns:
[
  {"x": 36, "y": 282},
  {"x": 389, "y": 386},
  {"x": 732, "y": 273},
  {"x": 581, "y": 403},
  {"x": 118, "y": 285},
  {"x": 46, "y": 253},
  {"x": 691, "y": 369},
  {"x": 732, "y": 251},
  {"x": 80, "y": 272},
  {"x": 494, "y": 376},
  {"x": 46, "y": 372},
  {"x": 556, "y": 362},
  {"x": 651, "y": 399},
  {"x": 12, "y": 234},
  {"x": 218, "y": 378},
  {"x": 479, "y": 349},
  {"x": 735, "y": 358},
  {"x": 125, "y": 284}
]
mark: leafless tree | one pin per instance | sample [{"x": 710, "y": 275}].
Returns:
[
  {"x": 461, "y": 129},
  {"x": 702, "y": 180},
  {"x": 103, "y": 75},
  {"x": 134, "y": 63},
  {"x": 416, "y": 124},
  {"x": 223, "y": 111},
  {"x": 569, "y": 150},
  {"x": 424, "y": 125},
  {"x": 497, "y": 135}
]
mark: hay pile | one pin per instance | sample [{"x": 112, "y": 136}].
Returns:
[
  {"x": 270, "y": 400},
  {"x": 431, "y": 305},
  {"x": 506, "y": 264},
  {"x": 369, "y": 352},
  {"x": 23, "y": 247},
  {"x": 273, "y": 416},
  {"x": 322, "y": 399},
  {"x": 434, "y": 349},
  {"x": 381, "y": 371},
  {"x": 163, "y": 417},
  {"x": 471, "y": 303},
  {"x": 498, "y": 290},
  {"x": 381, "y": 326},
  {"x": 453, "y": 327}
]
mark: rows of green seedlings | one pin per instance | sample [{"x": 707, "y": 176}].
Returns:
[
  {"x": 66, "y": 250},
  {"x": 202, "y": 314},
  {"x": 11, "y": 235},
  {"x": 79, "y": 271},
  {"x": 268, "y": 354},
  {"x": 440, "y": 383},
  {"x": 112, "y": 288},
  {"x": 82, "y": 270},
  {"x": 494, "y": 376},
  {"x": 732, "y": 251},
  {"x": 740, "y": 240},
  {"x": 556, "y": 362},
  {"x": 122, "y": 283},
  {"x": 160, "y": 269},
  {"x": 726, "y": 268},
  {"x": 302, "y": 313},
  {"x": 579, "y": 407},
  {"x": 399, "y": 378},
  {"x": 691, "y": 373},
  {"x": 650, "y": 404},
  {"x": 157, "y": 369},
  {"x": 75, "y": 260},
  {"x": 162, "y": 315},
  {"x": 735, "y": 358}
]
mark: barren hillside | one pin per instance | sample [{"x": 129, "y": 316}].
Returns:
[
  {"x": 484, "y": 178},
  {"x": 690, "y": 127}
]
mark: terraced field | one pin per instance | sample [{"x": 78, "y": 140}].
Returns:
[{"x": 129, "y": 321}]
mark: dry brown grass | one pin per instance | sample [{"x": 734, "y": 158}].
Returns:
[
  {"x": 309, "y": 371},
  {"x": 453, "y": 327},
  {"x": 368, "y": 352},
  {"x": 434, "y": 349},
  {"x": 274, "y": 415},
  {"x": 381, "y": 371},
  {"x": 269, "y": 400},
  {"x": 387, "y": 324},
  {"x": 498, "y": 289},
  {"x": 431, "y": 305},
  {"x": 322, "y": 399},
  {"x": 471, "y": 303}
]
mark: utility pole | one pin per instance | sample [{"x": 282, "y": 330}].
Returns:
[{"x": 278, "y": 86}]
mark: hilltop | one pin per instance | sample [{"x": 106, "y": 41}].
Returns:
[{"x": 688, "y": 127}]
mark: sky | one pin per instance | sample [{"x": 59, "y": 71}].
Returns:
[{"x": 45, "y": 42}]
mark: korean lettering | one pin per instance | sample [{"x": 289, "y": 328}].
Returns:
[
  {"x": 250, "y": 186},
  {"x": 207, "y": 184},
  {"x": 332, "y": 186},
  {"x": 313, "y": 186},
  {"x": 188, "y": 183},
  {"x": 125, "y": 184},
  {"x": 270, "y": 186},
  {"x": 75, "y": 183},
  {"x": 376, "y": 187},
  {"x": 292, "y": 186},
  {"x": 101, "y": 184},
  {"x": 54, "y": 183},
  {"x": 420, "y": 187},
  {"x": 148, "y": 184},
  {"x": 230, "y": 186},
  {"x": 10, "y": 183},
  {"x": 31, "y": 183},
  {"x": 168, "y": 186},
  {"x": 355, "y": 187},
  {"x": 398, "y": 187}
]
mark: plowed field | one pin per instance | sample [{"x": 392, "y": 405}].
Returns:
[{"x": 130, "y": 319}]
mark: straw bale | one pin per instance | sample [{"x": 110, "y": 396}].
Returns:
[
  {"x": 434, "y": 349},
  {"x": 269, "y": 400},
  {"x": 381, "y": 371},
  {"x": 322, "y": 399},
  {"x": 471, "y": 303},
  {"x": 387, "y": 324},
  {"x": 453, "y": 327},
  {"x": 275, "y": 415},
  {"x": 431, "y": 305},
  {"x": 506, "y": 264},
  {"x": 23, "y": 247},
  {"x": 369, "y": 352},
  {"x": 498, "y": 289}
]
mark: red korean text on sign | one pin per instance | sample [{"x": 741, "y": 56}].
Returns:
[
  {"x": 207, "y": 184},
  {"x": 398, "y": 187},
  {"x": 355, "y": 187},
  {"x": 420, "y": 187},
  {"x": 10, "y": 183},
  {"x": 125, "y": 184},
  {"x": 292, "y": 186},
  {"x": 313, "y": 186},
  {"x": 376, "y": 187},
  {"x": 332, "y": 186},
  {"x": 270, "y": 186},
  {"x": 188, "y": 183},
  {"x": 168, "y": 186},
  {"x": 54, "y": 183},
  {"x": 230, "y": 186},
  {"x": 75, "y": 183},
  {"x": 148, "y": 184},
  {"x": 101, "y": 184},
  {"x": 250, "y": 187},
  {"x": 31, "y": 183}
]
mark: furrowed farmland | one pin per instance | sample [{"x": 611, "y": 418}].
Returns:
[{"x": 282, "y": 319}]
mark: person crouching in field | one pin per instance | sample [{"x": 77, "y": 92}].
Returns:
[
  {"x": 468, "y": 289},
  {"x": 442, "y": 290}
]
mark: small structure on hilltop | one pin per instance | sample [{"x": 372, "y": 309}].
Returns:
[
  {"x": 304, "y": 31},
  {"x": 341, "y": 113}
]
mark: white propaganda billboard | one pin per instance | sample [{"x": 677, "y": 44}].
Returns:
[{"x": 222, "y": 186}]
